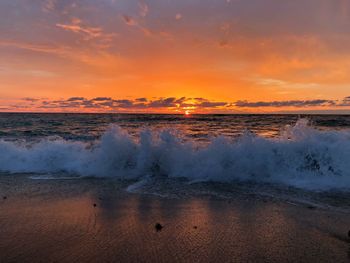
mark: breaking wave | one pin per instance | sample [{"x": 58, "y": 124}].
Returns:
[{"x": 301, "y": 157}]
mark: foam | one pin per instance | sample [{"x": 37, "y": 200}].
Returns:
[{"x": 302, "y": 157}]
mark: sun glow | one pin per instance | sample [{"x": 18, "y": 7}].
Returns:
[{"x": 95, "y": 57}]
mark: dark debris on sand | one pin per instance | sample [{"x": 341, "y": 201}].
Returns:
[
  {"x": 158, "y": 227},
  {"x": 311, "y": 207}
]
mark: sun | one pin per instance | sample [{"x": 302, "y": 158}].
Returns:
[{"x": 187, "y": 113}]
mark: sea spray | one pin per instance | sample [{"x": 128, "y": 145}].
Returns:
[{"x": 302, "y": 157}]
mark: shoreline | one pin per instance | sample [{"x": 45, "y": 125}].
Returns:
[{"x": 92, "y": 219}]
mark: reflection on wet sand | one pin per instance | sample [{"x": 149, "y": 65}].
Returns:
[{"x": 58, "y": 226}]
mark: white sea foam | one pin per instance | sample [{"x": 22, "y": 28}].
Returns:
[{"x": 302, "y": 156}]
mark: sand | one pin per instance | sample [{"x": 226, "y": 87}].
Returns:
[{"x": 57, "y": 221}]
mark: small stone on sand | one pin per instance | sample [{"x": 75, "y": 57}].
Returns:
[
  {"x": 158, "y": 227},
  {"x": 5, "y": 197},
  {"x": 95, "y": 205},
  {"x": 195, "y": 227}
]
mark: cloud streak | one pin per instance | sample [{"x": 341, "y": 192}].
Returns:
[
  {"x": 290, "y": 103},
  {"x": 48, "y": 5},
  {"x": 345, "y": 102},
  {"x": 144, "y": 9},
  {"x": 89, "y": 33},
  {"x": 168, "y": 104},
  {"x": 108, "y": 104}
]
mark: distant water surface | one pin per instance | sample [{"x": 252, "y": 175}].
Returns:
[{"x": 86, "y": 127}]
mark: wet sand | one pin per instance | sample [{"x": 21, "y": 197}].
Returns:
[{"x": 57, "y": 221}]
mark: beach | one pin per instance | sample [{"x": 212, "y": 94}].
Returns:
[
  {"x": 98, "y": 220},
  {"x": 174, "y": 131}
]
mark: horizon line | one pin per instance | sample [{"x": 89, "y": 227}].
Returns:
[{"x": 181, "y": 114}]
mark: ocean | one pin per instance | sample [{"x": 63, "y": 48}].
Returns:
[
  {"x": 243, "y": 188},
  {"x": 195, "y": 128},
  {"x": 311, "y": 153}
]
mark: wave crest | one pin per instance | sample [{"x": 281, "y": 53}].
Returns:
[{"x": 302, "y": 157}]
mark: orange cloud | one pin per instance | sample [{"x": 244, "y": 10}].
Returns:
[
  {"x": 166, "y": 105},
  {"x": 224, "y": 52}
]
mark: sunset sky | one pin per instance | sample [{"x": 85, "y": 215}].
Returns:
[{"x": 201, "y": 56}]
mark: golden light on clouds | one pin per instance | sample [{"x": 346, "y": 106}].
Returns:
[{"x": 272, "y": 55}]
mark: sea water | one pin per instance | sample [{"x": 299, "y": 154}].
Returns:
[{"x": 304, "y": 152}]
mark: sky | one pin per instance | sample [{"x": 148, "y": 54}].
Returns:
[{"x": 175, "y": 56}]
